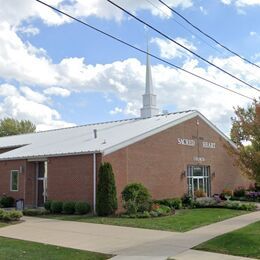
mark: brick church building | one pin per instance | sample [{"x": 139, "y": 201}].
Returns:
[{"x": 170, "y": 153}]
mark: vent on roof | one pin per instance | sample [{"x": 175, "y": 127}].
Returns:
[{"x": 95, "y": 133}]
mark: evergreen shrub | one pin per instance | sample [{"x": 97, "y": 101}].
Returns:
[{"x": 106, "y": 191}]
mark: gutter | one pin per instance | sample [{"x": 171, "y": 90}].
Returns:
[{"x": 94, "y": 182}]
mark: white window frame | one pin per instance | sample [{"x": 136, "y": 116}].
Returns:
[{"x": 11, "y": 180}]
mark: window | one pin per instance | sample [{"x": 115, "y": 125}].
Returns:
[{"x": 14, "y": 181}]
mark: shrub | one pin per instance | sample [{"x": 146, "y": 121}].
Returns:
[
  {"x": 7, "y": 202},
  {"x": 12, "y": 215},
  {"x": 68, "y": 207},
  {"x": 187, "y": 200},
  {"x": 205, "y": 202},
  {"x": 253, "y": 195},
  {"x": 47, "y": 205},
  {"x": 106, "y": 191},
  {"x": 163, "y": 210},
  {"x": 239, "y": 206},
  {"x": 56, "y": 207},
  {"x": 82, "y": 208},
  {"x": 239, "y": 192},
  {"x": 35, "y": 212},
  {"x": 174, "y": 203},
  {"x": 136, "y": 198}
]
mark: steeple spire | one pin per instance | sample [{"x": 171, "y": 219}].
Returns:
[{"x": 149, "y": 99}]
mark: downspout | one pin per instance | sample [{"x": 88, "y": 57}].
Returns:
[{"x": 94, "y": 182}]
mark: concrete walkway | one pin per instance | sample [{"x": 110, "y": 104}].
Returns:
[{"x": 126, "y": 243}]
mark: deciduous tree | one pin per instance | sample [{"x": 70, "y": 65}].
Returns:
[
  {"x": 245, "y": 133},
  {"x": 10, "y": 126}
]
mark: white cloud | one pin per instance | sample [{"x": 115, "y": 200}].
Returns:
[
  {"x": 23, "y": 62},
  {"x": 56, "y": 91},
  {"x": 27, "y": 104},
  {"x": 31, "y": 66},
  {"x": 16, "y": 11},
  {"x": 32, "y": 95},
  {"x": 7, "y": 89},
  {"x": 226, "y": 2},
  {"x": 241, "y": 3},
  {"x": 28, "y": 30},
  {"x": 170, "y": 50},
  {"x": 203, "y": 10},
  {"x": 116, "y": 110}
]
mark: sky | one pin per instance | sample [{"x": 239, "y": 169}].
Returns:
[{"x": 58, "y": 73}]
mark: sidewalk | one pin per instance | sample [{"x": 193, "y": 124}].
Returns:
[{"x": 126, "y": 243}]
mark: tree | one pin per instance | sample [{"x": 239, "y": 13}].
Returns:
[
  {"x": 106, "y": 191},
  {"x": 10, "y": 126},
  {"x": 245, "y": 133}
]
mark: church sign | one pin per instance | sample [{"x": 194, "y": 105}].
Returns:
[
  {"x": 208, "y": 145},
  {"x": 188, "y": 142},
  {"x": 191, "y": 142}
]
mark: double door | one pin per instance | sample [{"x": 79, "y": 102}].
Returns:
[{"x": 198, "y": 177}]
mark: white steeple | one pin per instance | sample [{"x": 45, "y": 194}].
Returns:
[{"x": 149, "y": 108}]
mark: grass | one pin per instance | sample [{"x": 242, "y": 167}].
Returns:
[
  {"x": 242, "y": 242},
  {"x": 3, "y": 224},
  {"x": 18, "y": 249},
  {"x": 183, "y": 221}
]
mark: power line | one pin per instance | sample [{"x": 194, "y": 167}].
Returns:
[
  {"x": 182, "y": 46},
  {"x": 184, "y": 27},
  {"x": 142, "y": 51},
  {"x": 208, "y": 36}
]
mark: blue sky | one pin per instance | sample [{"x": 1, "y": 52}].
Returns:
[{"x": 58, "y": 73}]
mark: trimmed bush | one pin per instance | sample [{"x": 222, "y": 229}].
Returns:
[
  {"x": 56, "y": 207},
  {"x": 35, "y": 212},
  {"x": 10, "y": 215},
  {"x": 205, "y": 202},
  {"x": 136, "y": 198},
  {"x": 174, "y": 203},
  {"x": 47, "y": 205},
  {"x": 106, "y": 191},
  {"x": 82, "y": 208},
  {"x": 68, "y": 207},
  {"x": 7, "y": 202},
  {"x": 239, "y": 206}
]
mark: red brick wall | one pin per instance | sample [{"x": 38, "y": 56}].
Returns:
[
  {"x": 159, "y": 160},
  {"x": 71, "y": 178},
  {"x": 30, "y": 186},
  {"x": 5, "y": 176}
]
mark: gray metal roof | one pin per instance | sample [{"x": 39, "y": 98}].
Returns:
[{"x": 111, "y": 136}]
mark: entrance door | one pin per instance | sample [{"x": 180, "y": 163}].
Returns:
[
  {"x": 41, "y": 183},
  {"x": 198, "y": 179}
]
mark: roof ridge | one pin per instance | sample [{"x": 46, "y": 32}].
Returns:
[{"x": 100, "y": 123}]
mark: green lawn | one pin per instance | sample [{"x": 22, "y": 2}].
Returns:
[
  {"x": 242, "y": 242},
  {"x": 3, "y": 224},
  {"x": 183, "y": 221},
  {"x": 18, "y": 249}
]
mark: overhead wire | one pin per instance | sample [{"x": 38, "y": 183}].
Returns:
[
  {"x": 181, "y": 45},
  {"x": 141, "y": 50},
  {"x": 183, "y": 26},
  {"x": 207, "y": 35}
]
